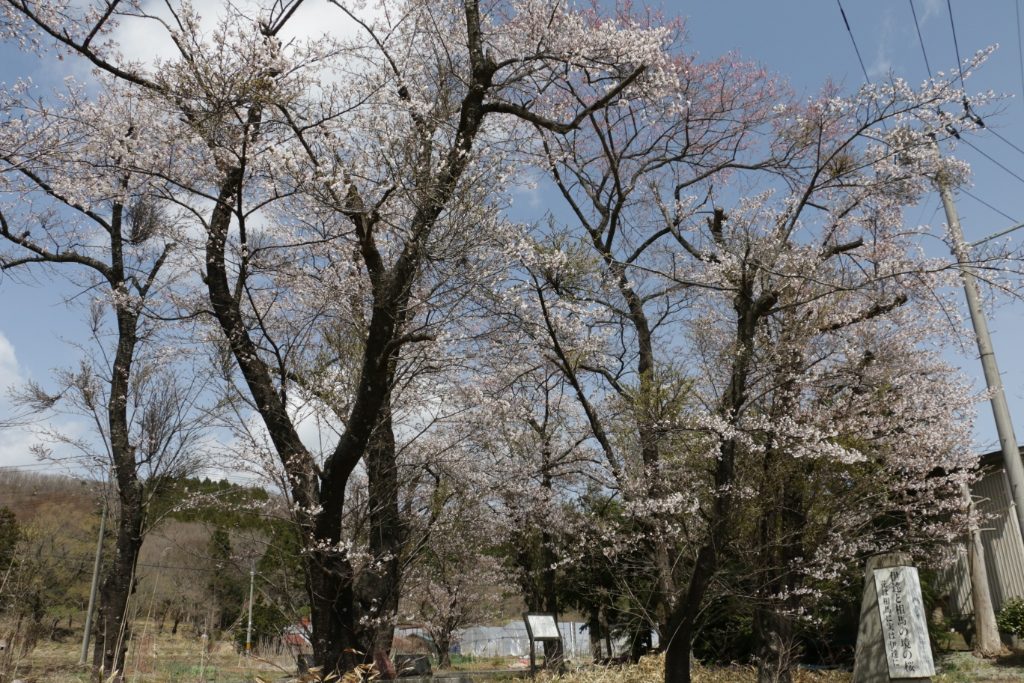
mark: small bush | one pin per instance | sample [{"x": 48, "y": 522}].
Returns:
[{"x": 1011, "y": 617}]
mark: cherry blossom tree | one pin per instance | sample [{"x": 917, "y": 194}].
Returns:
[
  {"x": 661, "y": 305},
  {"x": 368, "y": 144},
  {"x": 71, "y": 205},
  {"x": 455, "y": 583},
  {"x": 720, "y": 315}
]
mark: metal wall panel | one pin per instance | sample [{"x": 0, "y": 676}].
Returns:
[
  {"x": 1000, "y": 536},
  {"x": 1004, "y": 549},
  {"x": 956, "y": 582}
]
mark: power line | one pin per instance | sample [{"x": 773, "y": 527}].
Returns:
[
  {"x": 920, "y": 39},
  {"x": 984, "y": 203},
  {"x": 992, "y": 159},
  {"x": 956, "y": 45},
  {"x": 41, "y": 465},
  {"x": 996, "y": 133},
  {"x": 70, "y": 560},
  {"x": 854, "y": 41}
]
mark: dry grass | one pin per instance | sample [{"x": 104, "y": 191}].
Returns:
[
  {"x": 959, "y": 667},
  {"x": 165, "y": 659},
  {"x": 183, "y": 659},
  {"x": 651, "y": 669}
]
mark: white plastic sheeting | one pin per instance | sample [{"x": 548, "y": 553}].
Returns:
[{"x": 510, "y": 640}]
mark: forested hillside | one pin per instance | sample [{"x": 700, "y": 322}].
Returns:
[{"x": 202, "y": 541}]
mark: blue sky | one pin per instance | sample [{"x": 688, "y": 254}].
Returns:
[{"x": 806, "y": 43}]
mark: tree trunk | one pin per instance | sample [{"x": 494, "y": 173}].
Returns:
[
  {"x": 379, "y": 587},
  {"x": 681, "y": 625},
  {"x": 119, "y": 581},
  {"x": 112, "y": 629},
  {"x": 773, "y": 632},
  {"x": 677, "y": 652},
  {"x": 444, "y": 659},
  {"x": 594, "y": 632},
  {"x": 334, "y": 638}
]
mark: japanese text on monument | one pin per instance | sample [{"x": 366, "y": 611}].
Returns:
[{"x": 904, "y": 629}]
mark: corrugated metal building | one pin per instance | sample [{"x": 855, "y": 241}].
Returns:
[{"x": 1001, "y": 538}]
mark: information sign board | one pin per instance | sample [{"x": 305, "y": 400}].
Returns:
[{"x": 543, "y": 626}]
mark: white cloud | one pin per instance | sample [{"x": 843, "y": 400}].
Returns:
[
  {"x": 10, "y": 373},
  {"x": 15, "y": 442},
  {"x": 932, "y": 8},
  {"x": 147, "y": 40},
  {"x": 882, "y": 64}
]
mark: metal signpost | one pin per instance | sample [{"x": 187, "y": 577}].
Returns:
[{"x": 542, "y": 627}]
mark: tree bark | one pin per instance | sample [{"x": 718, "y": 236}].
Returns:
[
  {"x": 119, "y": 582},
  {"x": 332, "y": 618},
  {"x": 117, "y": 586},
  {"x": 773, "y": 632},
  {"x": 594, "y": 632},
  {"x": 379, "y": 587},
  {"x": 444, "y": 659},
  {"x": 681, "y": 625}
]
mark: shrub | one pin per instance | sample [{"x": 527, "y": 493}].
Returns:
[{"x": 1011, "y": 617}]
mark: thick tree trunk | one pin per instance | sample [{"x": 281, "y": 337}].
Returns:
[
  {"x": 681, "y": 625},
  {"x": 333, "y": 623},
  {"x": 444, "y": 659},
  {"x": 379, "y": 587}
]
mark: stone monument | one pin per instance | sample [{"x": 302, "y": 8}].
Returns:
[{"x": 892, "y": 640}]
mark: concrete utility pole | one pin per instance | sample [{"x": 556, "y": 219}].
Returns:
[
  {"x": 95, "y": 585},
  {"x": 248, "y": 629},
  {"x": 1001, "y": 412}
]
